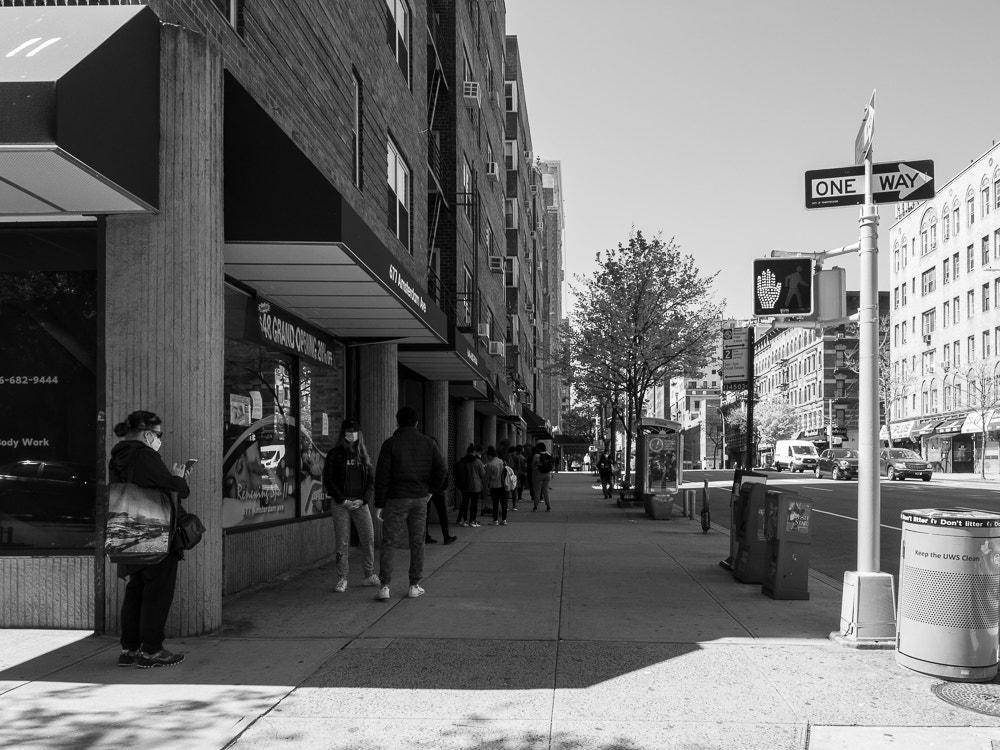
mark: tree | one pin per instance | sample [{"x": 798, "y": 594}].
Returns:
[
  {"x": 976, "y": 388},
  {"x": 578, "y": 420},
  {"x": 773, "y": 419},
  {"x": 646, "y": 314}
]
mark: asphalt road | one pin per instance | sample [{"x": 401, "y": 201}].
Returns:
[{"x": 835, "y": 505}]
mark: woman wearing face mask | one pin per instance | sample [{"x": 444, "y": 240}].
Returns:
[
  {"x": 150, "y": 589},
  {"x": 349, "y": 481}
]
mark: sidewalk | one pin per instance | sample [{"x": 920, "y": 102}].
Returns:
[{"x": 587, "y": 627}]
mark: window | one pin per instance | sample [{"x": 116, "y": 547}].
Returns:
[
  {"x": 986, "y": 297},
  {"x": 232, "y": 10},
  {"x": 996, "y": 245},
  {"x": 902, "y": 296},
  {"x": 996, "y": 292},
  {"x": 946, "y": 353},
  {"x": 398, "y": 213},
  {"x": 970, "y": 349},
  {"x": 398, "y": 34},
  {"x": 510, "y": 154},
  {"x": 895, "y": 298},
  {"x": 895, "y": 259},
  {"x": 957, "y": 354},
  {"x": 510, "y": 272},
  {"x": 946, "y": 220},
  {"x": 986, "y": 251},
  {"x": 970, "y": 258},
  {"x": 996, "y": 339},
  {"x": 927, "y": 282},
  {"x": 924, "y": 243},
  {"x": 955, "y": 312},
  {"x": 970, "y": 303},
  {"x": 945, "y": 272},
  {"x": 904, "y": 252},
  {"x": 902, "y": 331},
  {"x": 895, "y": 335},
  {"x": 510, "y": 96},
  {"x": 467, "y": 290},
  {"x": 489, "y": 73},
  {"x": 356, "y": 134},
  {"x": 986, "y": 344},
  {"x": 970, "y": 206},
  {"x": 954, "y": 266},
  {"x": 945, "y": 314},
  {"x": 467, "y": 188},
  {"x": 984, "y": 204},
  {"x": 928, "y": 322},
  {"x": 510, "y": 213}
]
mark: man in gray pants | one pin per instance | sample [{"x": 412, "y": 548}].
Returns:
[{"x": 409, "y": 466}]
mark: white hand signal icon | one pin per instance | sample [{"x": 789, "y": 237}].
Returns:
[{"x": 768, "y": 288}]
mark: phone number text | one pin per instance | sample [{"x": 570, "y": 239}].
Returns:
[{"x": 29, "y": 379}]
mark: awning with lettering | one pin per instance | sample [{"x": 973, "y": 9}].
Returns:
[
  {"x": 79, "y": 110},
  {"x": 458, "y": 361},
  {"x": 290, "y": 234},
  {"x": 901, "y": 430},
  {"x": 973, "y": 422},
  {"x": 925, "y": 428}
]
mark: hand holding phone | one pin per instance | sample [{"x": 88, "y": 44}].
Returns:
[{"x": 189, "y": 464}]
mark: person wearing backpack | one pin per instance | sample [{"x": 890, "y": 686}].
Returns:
[
  {"x": 606, "y": 469},
  {"x": 541, "y": 476},
  {"x": 520, "y": 465},
  {"x": 495, "y": 473},
  {"x": 469, "y": 475}
]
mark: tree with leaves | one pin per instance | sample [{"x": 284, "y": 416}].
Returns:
[
  {"x": 773, "y": 419},
  {"x": 646, "y": 314}
]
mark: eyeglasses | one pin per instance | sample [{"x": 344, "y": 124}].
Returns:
[{"x": 158, "y": 433}]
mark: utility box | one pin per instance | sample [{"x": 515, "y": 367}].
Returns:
[
  {"x": 750, "y": 562},
  {"x": 788, "y": 528},
  {"x": 949, "y": 582}
]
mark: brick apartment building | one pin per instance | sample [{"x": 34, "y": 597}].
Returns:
[{"x": 254, "y": 220}]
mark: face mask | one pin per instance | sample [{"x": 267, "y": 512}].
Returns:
[
  {"x": 156, "y": 443},
  {"x": 350, "y": 437}
]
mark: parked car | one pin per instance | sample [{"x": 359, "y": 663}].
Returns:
[
  {"x": 900, "y": 463},
  {"x": 839, "y": 463}
]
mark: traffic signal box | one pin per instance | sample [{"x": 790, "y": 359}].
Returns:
[
  {"x": 783, "y": 286},
  {"x": 788, "y": 529}
]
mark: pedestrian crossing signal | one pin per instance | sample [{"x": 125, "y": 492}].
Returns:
[{"x": 783, "y": 286}]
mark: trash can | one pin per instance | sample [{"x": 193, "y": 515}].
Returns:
[
  {"x": 751, "y": 541},
  {"x": 949, "y": 582},
  {"x": 788, "y": 528}
]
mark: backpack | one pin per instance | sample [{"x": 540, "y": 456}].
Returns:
[
  {"x": 544, "y": 463},
  {"x": 509, "y": 479}
]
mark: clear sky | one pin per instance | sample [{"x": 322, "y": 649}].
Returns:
[{"x": 699, "y": 118}]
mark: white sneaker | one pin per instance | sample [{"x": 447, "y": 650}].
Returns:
[
  {"x": 494, "y": 523},
  {"x": 341, "y": 586},
  {"x": 503, "y": 523},
  {"x": 383, "y": 594},
  {"x": 415, "y": 591},
  {"x": 372, "y": 580},
  {"x": 474, "y": 525}
]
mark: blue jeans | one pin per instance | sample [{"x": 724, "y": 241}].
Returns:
[
  {"x": 403, "y": 516},
  {"x": 362, "y": 518}
]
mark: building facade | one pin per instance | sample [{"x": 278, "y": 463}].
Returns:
[
  {"x": 297, "y": 227},
  {"x": 945, "y": 323}
]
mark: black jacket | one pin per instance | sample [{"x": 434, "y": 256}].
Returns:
[
  {"x": 335, "y": 474},
  {"x": 409, "y": 465}
]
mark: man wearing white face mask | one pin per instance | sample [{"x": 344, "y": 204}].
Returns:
[{"x": 349, "y": 483}]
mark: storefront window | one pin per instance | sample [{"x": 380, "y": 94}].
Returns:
[
  {"x": 283, "y": 396},
  {"x": 48, "y": 392}
]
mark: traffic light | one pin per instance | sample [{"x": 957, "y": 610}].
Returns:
[{"x": 783, "y": 286}]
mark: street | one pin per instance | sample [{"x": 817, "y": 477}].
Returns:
[{"x": 834, "y": 542}]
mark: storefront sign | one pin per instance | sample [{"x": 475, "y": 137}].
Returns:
[{"x": 279, "y": 329}]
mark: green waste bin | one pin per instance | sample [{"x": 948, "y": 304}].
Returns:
[{"x": 949, "y": 581}]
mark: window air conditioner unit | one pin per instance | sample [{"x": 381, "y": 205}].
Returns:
[
  {"x": 471, "y": 94},
  {"x": 927, "y": 338},
  {"x": 484, "y": 330},
  {"x": 496, "y": 264},
  {"x": 529, "y": 307},
  {"x": 527, "y": 255},
  {"x": 534, "y": 189},
  {"x": 496, "y": 348},
  {"x": 527, "y": 155},
  {"x": 492, "y": 170}
]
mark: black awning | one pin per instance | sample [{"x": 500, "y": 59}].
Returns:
[{"x": 79, "y": 110}]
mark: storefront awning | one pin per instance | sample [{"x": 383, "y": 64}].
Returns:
[
  {"x": 456, "y": 361},
  {"x": 291, "y": 235},
  {"x": 538, "y": 428},
  {"x": 973, "y": 422},
  {"x": 79, "y": 110},
  {"x": 901, "y": 430},
  {"x": 950, "y": 426},
  {"x": 883, "y": 433},
  {"x": 925, "y": 428}
]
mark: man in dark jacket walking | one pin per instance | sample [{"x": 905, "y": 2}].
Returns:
[{"x": 409, "y": 467}]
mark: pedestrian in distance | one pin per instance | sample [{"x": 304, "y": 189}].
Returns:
[
  {"x": 150, "y": 588},
  {"x": 495, "y": 470},
  {"x": 440, "y": 502},
  {"x": 409, "y": 467},
  {"x": 541, "y": 475},
  {"x": 606, "y": 470},
  {"x": 470, "y": 475},
  {"x": 349, "y": 481},
  {"x": 520, "y": 464}
]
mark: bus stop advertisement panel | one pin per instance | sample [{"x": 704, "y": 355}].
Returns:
[{"x": 658, "y": 468}]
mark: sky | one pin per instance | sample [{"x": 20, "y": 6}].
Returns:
[{"x": 698, "y": 119}]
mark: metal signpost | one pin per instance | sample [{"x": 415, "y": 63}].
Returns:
[{"x": 868, "y": 607}]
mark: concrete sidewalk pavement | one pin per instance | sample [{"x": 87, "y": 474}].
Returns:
[{"x": 588, "y": 627}]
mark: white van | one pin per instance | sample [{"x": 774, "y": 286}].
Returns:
[{"x": 795, "y": 455}]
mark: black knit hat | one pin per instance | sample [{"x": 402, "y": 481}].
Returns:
[{"x": 348, "y": 424}]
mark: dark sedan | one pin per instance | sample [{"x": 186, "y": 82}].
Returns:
[
  {"x": 900, "y": 463},
  {"x": 839, "y": 463}
]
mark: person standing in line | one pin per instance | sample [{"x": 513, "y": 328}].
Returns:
[
  {"x": 520, "y": 465},
  {"x": 350, "y": 484},
  {"x": 494, "y": 482},
  {"x": 541, "y": 476},
  {"x": 409, "y": 467},
  {"x": 440, "y": 501},
  {"x": 605, "y": 468},
  {"x": 469, "y": 480},
  {"x": 150, "y": 588}
]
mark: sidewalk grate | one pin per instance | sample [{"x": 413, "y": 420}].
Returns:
[{"x": 982, "y": 698}]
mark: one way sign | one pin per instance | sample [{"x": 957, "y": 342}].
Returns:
[{"x": 892, "y": 182}]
